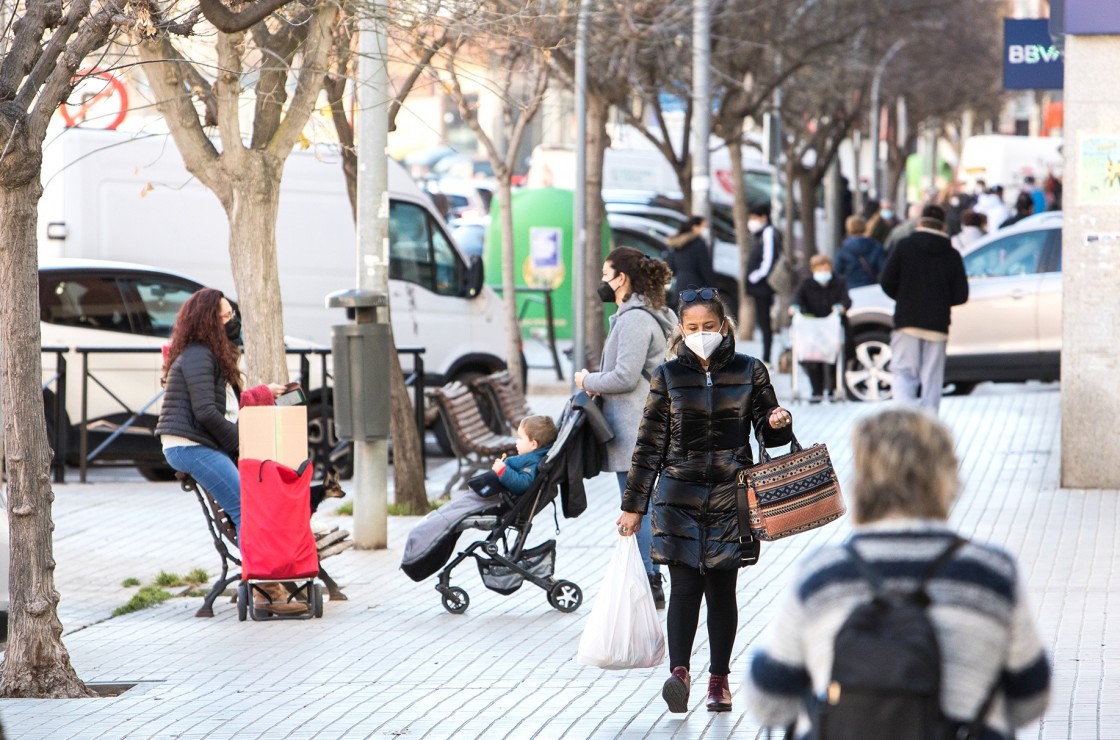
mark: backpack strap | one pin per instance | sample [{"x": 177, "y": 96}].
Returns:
[{"x": 876, "y": 581}]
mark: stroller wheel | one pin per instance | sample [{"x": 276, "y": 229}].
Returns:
[
  {"x": 455, "y": 600},
  {"x": 565, "y": 596},
  {"x": 242, "y": 602}
]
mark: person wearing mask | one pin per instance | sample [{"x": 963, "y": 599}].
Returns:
[
  {"x": 689, "y": 258},
  {"x": 635, "y": 345},
  {"x": 904, "y": 229},
  {"x": 972, "y": 228},
  {"x": 818, "y": 296},
  {"x": 766, "y": 247},
  {"x": 925, "y": 276},
  {"x": 906, "y": 481},
  {"x": 198, "y": 420},
  {"x": 859, "y": 259},
  {"x": 694, "y": 437}
]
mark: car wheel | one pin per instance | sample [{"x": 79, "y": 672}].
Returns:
[{"x": 868, "y": 374}]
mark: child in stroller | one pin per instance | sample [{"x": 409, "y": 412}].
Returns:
[
  {"x": 535, "y": 435},
  {"x": 504, "y": 562}
]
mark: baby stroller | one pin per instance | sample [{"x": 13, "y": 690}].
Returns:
[
  {"x": 277, "y": 545},
  {"x": 817, "y": 340},
  {"x": 504, "y": 562}
]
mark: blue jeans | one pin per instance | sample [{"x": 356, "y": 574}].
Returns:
[
  {"x": 214, "y": 471},
  {"x": 645, "y": 534}
]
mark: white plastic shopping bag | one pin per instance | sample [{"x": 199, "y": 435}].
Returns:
[
  {"x": 623, "y": 630},
  {"x": 817, "y": 340}
]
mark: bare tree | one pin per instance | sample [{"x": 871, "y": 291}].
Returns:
[
  {"x": 43, "y": 48},
  {"x": 289, "y": 47},
  {"x": 522, "y": 79}
]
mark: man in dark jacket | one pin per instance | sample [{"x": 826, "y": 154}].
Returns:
[
  {"x": 926, "y": 278},
  {"x": 689, "y": 259},
  {"x": 766, "y": 249}
]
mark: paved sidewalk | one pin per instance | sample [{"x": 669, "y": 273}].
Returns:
[{"x": 391, "y": 662}]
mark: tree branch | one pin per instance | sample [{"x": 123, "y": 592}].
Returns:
[
  {"x": 414, "y": 75},
  {"x": 227, "y": 90},
  {"x": 25, "y": 49},
  {"x": 226, "y": 21},
  {"x": 528, "y": 112},
  {"x": 316, "y": 49}
]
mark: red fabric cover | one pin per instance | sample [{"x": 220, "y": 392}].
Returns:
[
  {"x": 276, "y": 540},
  {"x": 259, "y": 396}
]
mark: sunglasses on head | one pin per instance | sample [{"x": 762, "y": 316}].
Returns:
[{"x": 704, "y": 294}]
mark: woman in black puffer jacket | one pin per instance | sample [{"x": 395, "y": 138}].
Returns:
[{"x": 693, "y": 439}]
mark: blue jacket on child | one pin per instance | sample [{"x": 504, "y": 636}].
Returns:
[{"x": 520, "y": 470}]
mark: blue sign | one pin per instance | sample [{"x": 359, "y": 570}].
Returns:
[
  {"x": 1030, "y": 59},
  {"x": 1092, "y": 16}
]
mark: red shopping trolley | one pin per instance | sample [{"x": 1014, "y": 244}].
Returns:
[{"x": 276, "y": 542}]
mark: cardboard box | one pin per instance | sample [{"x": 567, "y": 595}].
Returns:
[{"x": 273, "y": 433}]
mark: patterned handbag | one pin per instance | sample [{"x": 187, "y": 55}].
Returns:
[{"x": 789, "y": 494}]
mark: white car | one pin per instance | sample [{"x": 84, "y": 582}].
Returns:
[{"x": 1010, "y": 330}]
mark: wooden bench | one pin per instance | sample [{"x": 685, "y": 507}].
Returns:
[
  {"x": 224, "y": 534},
  {"x": 473, "y": 442},
  {"x": 505, "y": 400}
]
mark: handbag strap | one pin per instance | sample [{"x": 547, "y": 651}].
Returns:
[
  {"x": 763, "y": 455},
  {"x": 742, "y": 509}
]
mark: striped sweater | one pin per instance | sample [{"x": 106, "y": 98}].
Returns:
[{"x": 984, "y": 627}]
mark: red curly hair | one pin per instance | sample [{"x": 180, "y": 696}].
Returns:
[{"x": 199, "y": 322}]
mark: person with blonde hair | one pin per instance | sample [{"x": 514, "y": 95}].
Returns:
[
  {"x": 905, "y": 484},
  {"x": 859, "y": 258}
]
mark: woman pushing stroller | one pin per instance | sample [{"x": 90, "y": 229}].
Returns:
[{"x": 694, "y": 437}]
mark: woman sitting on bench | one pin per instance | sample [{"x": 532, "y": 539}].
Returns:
[{"x": 198, "y": 422}]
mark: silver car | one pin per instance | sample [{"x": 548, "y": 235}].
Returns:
[{"x": 1010, "y": 330}]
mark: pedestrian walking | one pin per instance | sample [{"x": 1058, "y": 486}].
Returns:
[
  {"x": 693, "y": 439},
  {"x": 972, "y": 228},
  {"x": 989, "y": 671},
  {"x": 925, "y": 276},
  {"x": 1024, "y": 206},
  {"x": 817, "y": 297},
  {"x": 859, "y": 259},
  {"x": 689, "y": 258},
  {"x": 635, "y": 345},
  {"x": 766, "y": 248}
]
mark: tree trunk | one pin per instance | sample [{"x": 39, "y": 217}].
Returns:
[
  {"x": 597, "y": 110},
  {"x": 409, "y": 488},
  {"x": 36, "y": 663},
  {"x": 509, "y": 273},
  {"x": 807, "y": 185},
  {"x": 740, "y": 214},
  {"x": 252, "y": 212}
]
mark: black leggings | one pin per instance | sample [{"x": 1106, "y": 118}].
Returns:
[
  {"x": 762, "y": 304},
  {"x": 688, "y": 587}
]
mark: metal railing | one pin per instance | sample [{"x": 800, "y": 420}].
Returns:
[
  {"x": 540, "y": 296},
  {"x": 324, "y": 447}
]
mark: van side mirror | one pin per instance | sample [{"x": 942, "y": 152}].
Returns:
[{"x": 474, "y": 277}]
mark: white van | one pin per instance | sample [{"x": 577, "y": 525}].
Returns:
[
  {"x": 128, "y": 197},
  {"x": 1006, "y": 160}
]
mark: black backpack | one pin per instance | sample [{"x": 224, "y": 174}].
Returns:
[{"x": 886, "y": 669}]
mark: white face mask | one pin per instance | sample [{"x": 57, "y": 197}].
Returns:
[
  {"x": 703, "y": 343},
  {"x": 755, "y": 226},
  {"x": 822, "y": 277}
]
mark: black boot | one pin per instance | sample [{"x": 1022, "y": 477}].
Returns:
[{"x": 658, "y": 590}]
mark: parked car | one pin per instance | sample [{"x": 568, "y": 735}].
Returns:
[{"x": 1010, "y": 330}]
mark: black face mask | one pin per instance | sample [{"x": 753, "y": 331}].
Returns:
[
  {"x": 233, "y": 329},
  {"x": 605, "y": 292}
]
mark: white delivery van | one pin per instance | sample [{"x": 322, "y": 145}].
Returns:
[
  {"x": 1006, "y": 160},
  {"x": 129, "y": 198}
]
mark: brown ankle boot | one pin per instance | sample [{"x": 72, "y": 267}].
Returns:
[
  {"x": 275, "y": 599},
  {"x": 675, "y": 690},
  {"x": 719, "y": 694}
]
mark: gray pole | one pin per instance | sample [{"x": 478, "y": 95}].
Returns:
[
  {"x": 579, "y": 214},
  {"x": 371, "y": 458},
  {"x": 876, "y": 82},
  {"x": 701, "y": 109}
]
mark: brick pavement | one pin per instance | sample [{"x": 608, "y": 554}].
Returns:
[{"x": 391, "y": 662}]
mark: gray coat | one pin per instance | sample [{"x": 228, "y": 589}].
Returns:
[{"x": 636, "y": 343}]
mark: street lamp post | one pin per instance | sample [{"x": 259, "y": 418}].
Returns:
[
  {"x": 876, "y": 83},
  {"x": 701, "y": 109},
  {"x": 579, "y": 211}
]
